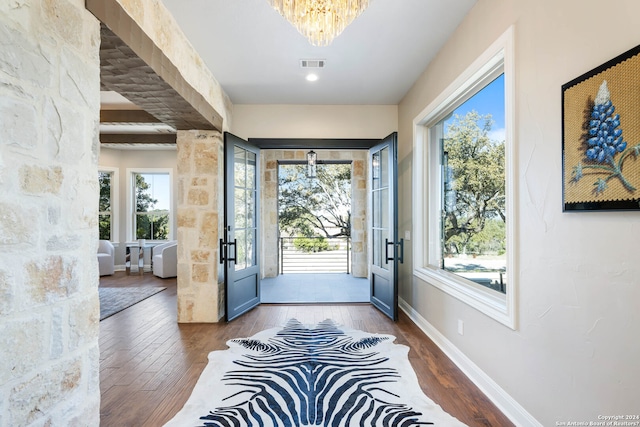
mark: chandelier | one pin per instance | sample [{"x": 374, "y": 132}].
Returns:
[{"x": 320, "y": 21}]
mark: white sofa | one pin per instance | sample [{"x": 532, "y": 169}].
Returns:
[
  {"x": 165, "y": 259},
  {"x": 106, "y": 260}
]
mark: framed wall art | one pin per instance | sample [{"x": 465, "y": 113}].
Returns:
[{"x": 601, "y": 137}]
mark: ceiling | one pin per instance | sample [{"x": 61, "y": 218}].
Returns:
[{"x": 255, "y": 53}]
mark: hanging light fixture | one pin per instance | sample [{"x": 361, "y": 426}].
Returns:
[
  {"x": 320, "y": 21},
  {"x": 311, "y": 164}
]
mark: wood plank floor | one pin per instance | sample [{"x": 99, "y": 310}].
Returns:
[{"x": 149, "y": 363}]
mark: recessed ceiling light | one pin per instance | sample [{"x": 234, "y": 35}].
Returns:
[{"x": 312, "y": 77}]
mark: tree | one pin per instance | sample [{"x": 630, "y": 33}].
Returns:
[
  {"x": 154, "y": 226},
  {"x": 318, "y": 206},
  {"x": 104, "y": 219},
  {"x": 474, "y": 184}
]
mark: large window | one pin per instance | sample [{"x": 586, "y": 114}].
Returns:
[
  {"x": 471, "y": 145},
  {"x": 463, "y": 219},
  {"x": 105, "y": 210},
  {"x": 151, "y": 205}
]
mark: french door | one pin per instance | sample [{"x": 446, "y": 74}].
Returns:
[
  {"x": 239, "y": 246},
  {"x": 386, "y": 248}
]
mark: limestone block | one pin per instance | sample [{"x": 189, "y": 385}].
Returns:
[
  {"x": 198, "y": 197},
  {"x": 205, "y": 158},
  {"x": 51, "y": 279},
  {"x": 39, "y": 180},
  {"x": 199, "y": 182},
  {"x": 56, "y": 339},
  {"x": 84, "y": 318},
  {"x": 186, "y": 218},
  {"x": 358, "y": 168},
  {"x": 200, "y": 256},
  {"x": 184, "y": 153},
  {"x": 77, "y": 80},
  {"x": 64, "y": 20},
  {"x": 200, "y": 273},
  {"x": 6, "y": 294},
  {"x": 64, "y": 242},
  {"x": 272, "y": 165},
  {"x": 14, "y": 113},
  {"x": 65, "y": 133},
  {"x": 209, "y": 231},
  {"x": 16, "y": 226},
  {"x": 32, "y": 399},
  {"x": 22, "y": 60},
  {"x": 24, "y": 336}
]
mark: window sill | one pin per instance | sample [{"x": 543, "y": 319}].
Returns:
[{"x": 492, "y": 303}]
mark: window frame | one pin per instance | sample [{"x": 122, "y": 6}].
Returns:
[
  {"x": 131, "y": 213},
  {"x": 115, "y": 187},
  {"x": 497, "y": 59}
]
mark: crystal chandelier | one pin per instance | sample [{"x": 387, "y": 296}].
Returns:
[{"x": 320, "y": 21}]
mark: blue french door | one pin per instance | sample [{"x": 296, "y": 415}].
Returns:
[{"x": 239, "y": 247}]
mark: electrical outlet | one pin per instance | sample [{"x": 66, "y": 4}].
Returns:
[
  {"x": 407, "y": 235},
  {"x": 460, "y": 327}
]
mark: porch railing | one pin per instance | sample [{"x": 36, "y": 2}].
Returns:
[{"x": 315, "y": 255}]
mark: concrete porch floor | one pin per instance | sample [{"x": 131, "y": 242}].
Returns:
[{"x": 314, "y": 288}]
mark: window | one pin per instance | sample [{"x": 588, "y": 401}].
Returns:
[
  {"x": 464, "y": 175},
  {"x": 105, "y": 217},
  {"x": 470, "y": 144},
  {"x": 151, "y": 205}
]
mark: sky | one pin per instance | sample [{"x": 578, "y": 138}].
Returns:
[
  {"x": 159, "y": 190},
  {"x": 490, "y": 100}
]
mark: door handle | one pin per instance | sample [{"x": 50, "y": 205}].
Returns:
[
  {"x": 224, "y": 249},
  {"x": 396, "y": 246},
  {"x": 386, "y": 251},
  {"x": 235, "y": 255}
]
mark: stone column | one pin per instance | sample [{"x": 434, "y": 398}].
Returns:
[
  {"x": 200, "y": 221},
  {"x": 49, "y": 307}
]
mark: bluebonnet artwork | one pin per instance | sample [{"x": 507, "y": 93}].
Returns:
[
  {"x": 601, "y": 137},
  {"x": 606, "y": 148},
  {"x": 304, "y": 376}
]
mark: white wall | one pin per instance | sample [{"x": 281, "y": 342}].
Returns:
[
  {"x": 575, "y": 353},
  {"x": 141, "y": 159},
  {"x": 314, "y": 121}
]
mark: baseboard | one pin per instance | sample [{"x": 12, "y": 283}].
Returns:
[{"x": 507, "y": 404}]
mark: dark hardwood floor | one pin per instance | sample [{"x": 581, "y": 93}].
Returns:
[{"x": 149, "y": 363}]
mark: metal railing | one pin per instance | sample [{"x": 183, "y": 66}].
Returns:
[{"x": 315, "y": 255}]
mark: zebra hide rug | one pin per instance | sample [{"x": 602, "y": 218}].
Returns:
[{"x": 323, "y": 375}]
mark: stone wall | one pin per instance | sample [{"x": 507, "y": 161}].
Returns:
[
  {"x": 270, "y": 158},
  {"x": 49, "y": 308},
  {"x": 200, "y": 222}
]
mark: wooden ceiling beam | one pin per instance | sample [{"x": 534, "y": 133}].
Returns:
[
  {"x": 138, "y": 138},
  {"x": 127, "y": 116}
]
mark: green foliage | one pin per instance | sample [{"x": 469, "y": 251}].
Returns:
[
  {"x": 307, "y": 244},
  {"x": 104, "y": 219},
  {"x": 318, "y": 206},
  {"x": 150, "y": 224},
  {"x": 475, "y": 187}
]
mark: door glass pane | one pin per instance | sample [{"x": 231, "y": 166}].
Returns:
[
  {"x": 251, "y": 170},
  {"x": 240, "y": 175},
  {"x": 377, "y": 248},
  {"x": 384, "y": 167},
  {"x": 387, "y": 250},
  {"x": 250, "y": 248},
  {"x": 240, "y": 219},
  {"x": 241, "y": 250},
  {"x": 384, "y": 208},
  {"x": 251, "y": 208}
]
